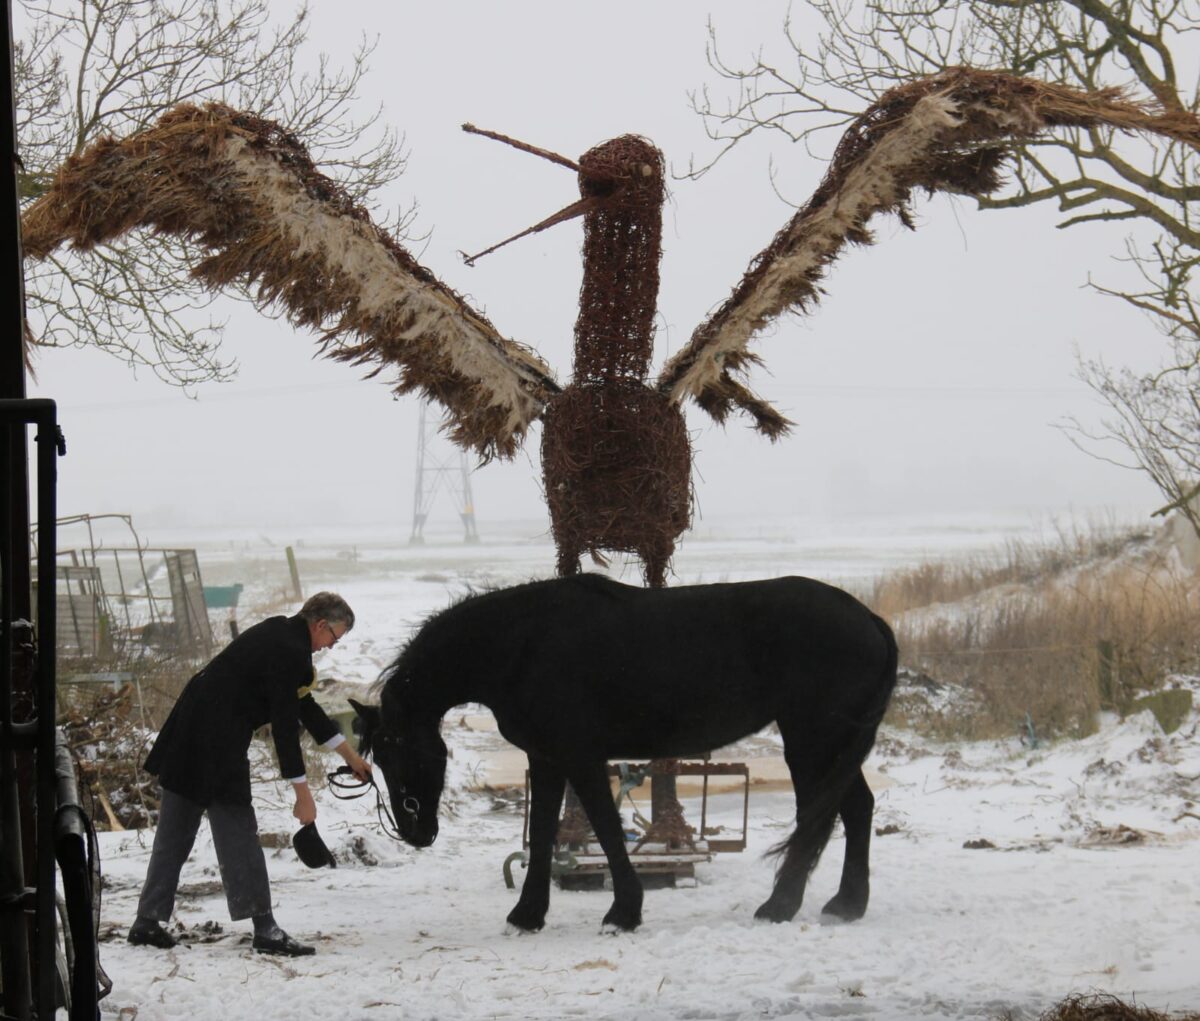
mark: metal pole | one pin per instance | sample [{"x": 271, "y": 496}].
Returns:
[
  {"x": 16, "y": 767},
  {"x": 27, "y": 879},
  {"x": 49, "y": 445},
  {"x": 14, "y": 931},
  {"x": 468, "y": 501},
  {"x": 417, "y": 535}
]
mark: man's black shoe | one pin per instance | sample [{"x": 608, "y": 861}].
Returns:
[
  {"x": 146, "y": 932},
  {"x": 279, "y": 942}
]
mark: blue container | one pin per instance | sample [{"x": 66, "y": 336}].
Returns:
[{"x": 220, "y": 597}]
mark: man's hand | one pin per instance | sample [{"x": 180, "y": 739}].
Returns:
[
  {"x": 306, "y": 808},
  {"x": 358, "y": 765}
]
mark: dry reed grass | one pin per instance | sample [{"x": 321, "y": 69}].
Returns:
[
  {"x": 1105, "y": 1007},
  {"x": 1047, "y": 636},
  {"x": 1018, "y": 561}
]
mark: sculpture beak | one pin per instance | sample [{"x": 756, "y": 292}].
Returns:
[{"x": 578, "y": 208}]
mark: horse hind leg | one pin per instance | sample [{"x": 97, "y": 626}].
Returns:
[
  {"x": 816, "y": 810},
  {"x": 857, "y": 808},
  {"x": 547, "y": 784}
]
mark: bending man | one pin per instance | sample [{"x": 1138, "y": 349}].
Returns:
[{"x": 263, "y": 676}]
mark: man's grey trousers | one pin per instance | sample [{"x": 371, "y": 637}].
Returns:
[{"x": 235, "y": 838}]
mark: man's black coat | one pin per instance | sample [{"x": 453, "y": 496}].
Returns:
[{"x": 263, "y": 676}]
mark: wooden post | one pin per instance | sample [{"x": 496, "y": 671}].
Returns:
[
  {"x": 295, "y": 571},
  {"x": 1106, "y": 676}
]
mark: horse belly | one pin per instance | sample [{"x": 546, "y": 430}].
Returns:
[{"x": 680, "y": 729}]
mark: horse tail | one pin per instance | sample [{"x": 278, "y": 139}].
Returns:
[
  {"x": 814, "y": 819},
  {"x": 887, "y": 679}
]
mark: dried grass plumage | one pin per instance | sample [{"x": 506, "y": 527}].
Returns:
[
  {"x": 947, "y": 132},
  {"x": 618, "y": 466},
  {"x": 247, "y": 194}
]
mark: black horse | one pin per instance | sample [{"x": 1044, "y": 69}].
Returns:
[{"x": 582, "y": 670}]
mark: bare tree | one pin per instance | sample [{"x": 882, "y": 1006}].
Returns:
[
  {"x": 1155, "y": 422},
  {"x": 89, "y": 68},
  {"x": 1093, "y": 175}
]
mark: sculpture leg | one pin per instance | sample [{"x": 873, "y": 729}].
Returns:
[{"x": 568, "y": 560}]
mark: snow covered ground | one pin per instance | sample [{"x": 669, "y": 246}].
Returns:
[{"x": 1084, "y": 874}]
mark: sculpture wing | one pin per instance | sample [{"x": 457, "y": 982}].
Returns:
[
  {"x": 947, "y": 132},
  {"x": 248, "y": 195}
]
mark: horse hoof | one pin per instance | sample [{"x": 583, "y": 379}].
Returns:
[
  {"x": 769, "y": 911},
  {"x": 525, "y": 922},
  {"x": 848, "y": 909},
  {"x": 615, "y": 922},
  {"x": 516, "y": 930}
]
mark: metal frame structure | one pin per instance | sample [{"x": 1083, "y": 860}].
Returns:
[
  {"x": 116, "y": 578},
  {"x": 577, "y": 861},
  {"x": 87, "y": 557}
]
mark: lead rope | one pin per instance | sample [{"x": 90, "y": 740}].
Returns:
[{"x": 339, "y": 785}]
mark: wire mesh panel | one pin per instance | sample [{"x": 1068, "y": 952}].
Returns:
[{"x": 192, "y": 630}]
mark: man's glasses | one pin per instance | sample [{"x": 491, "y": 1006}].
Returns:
[{"x": 333, "y": 634}]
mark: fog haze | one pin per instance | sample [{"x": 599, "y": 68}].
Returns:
[{"x": 931, "y": 380}]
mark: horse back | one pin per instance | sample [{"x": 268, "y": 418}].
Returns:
[{"x": 682, "y": 670}]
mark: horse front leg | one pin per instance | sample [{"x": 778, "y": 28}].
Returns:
[
  {"x": 591, "y": 785},
  {"x": 546, "y": 782}
]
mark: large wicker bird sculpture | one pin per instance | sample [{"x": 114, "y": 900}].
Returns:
[{"x": 615, "y": 451}]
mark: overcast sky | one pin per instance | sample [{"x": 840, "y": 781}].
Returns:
[{"x": 930, "y": 380}]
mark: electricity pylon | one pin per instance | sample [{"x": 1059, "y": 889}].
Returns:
[{"x": 440, "y": 465}]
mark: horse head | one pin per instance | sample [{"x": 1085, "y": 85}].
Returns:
[{"x": 412, "y": 759}]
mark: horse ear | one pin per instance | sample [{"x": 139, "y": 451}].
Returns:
[{"x": 368, "y": 714}]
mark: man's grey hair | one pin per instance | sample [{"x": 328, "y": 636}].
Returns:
[{"x": 328, "y": 606}]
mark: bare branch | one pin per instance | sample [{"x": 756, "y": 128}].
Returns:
[
  {"x": 1097, "y": 176},
  {"x": 90, "y": 67}
]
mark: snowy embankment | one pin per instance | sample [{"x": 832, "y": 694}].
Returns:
[{"x": 1091, "y": 884}]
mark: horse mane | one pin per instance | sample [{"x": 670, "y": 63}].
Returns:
[
  {"x": 365, "y": 737},
  {"x": 473, "y": 593},
  {"x": 387, "y": 674}
]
